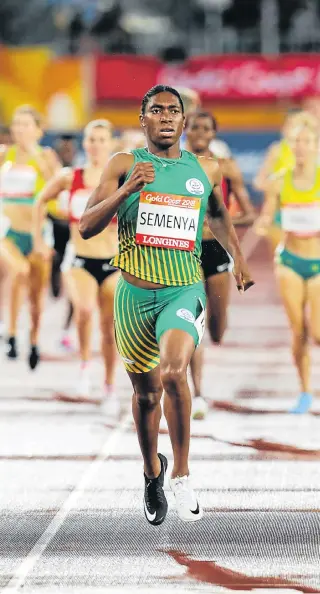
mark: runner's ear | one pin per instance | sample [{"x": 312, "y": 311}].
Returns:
[{"x": 141, "y": 118}]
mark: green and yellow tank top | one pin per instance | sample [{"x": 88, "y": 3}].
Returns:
[
  {"x": 160, "y": 228},
  {"x": 300, "y": 209},
  {"x": 19, "y": 184}
]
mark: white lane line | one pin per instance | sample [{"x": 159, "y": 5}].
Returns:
[{"x": 19, "y": 577}]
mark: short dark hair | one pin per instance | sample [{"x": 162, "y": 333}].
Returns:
[
  {"x": 155, "y": 91},
  {"x": 194, "y": 115},
  {"x": 66, "y": 138}
]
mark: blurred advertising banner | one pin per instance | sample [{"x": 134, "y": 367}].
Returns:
[
  {"x": 214, "y": 77},
  {"x": 53, "y": 86},
  {"x": 124, "y": 77}
]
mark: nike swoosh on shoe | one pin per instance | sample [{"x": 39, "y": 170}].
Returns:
[
  {"x": 196, "y": 511},
  {"x": 151, "y": 517}
]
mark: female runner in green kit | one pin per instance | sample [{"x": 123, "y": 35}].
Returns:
[{"x": 160, "y": 195}]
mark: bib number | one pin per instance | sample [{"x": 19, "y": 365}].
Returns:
[
  {"x": 168, "y": 221},
  {"x": 17, "y": 180},
  {"x": 302, "y": 220}
]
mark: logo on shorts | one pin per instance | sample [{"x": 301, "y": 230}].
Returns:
[
  {"x": 128, "y": 361},
  {"x": 78, "y": 263},
  {"x": 187, "y": 315},
  {"x": 223, "y": 267},
  {"x": 195, "y": 186}
]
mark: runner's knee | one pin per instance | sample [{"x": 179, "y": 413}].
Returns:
[
  {"x": 316, "y": 338},
  {"x": 107, "y": 332},
  {"x": 173, "y": 377},
  {"x": 149, "y": 399},
  {"x": 21, "y": 275},
  {"x": 83, "y": 313}
]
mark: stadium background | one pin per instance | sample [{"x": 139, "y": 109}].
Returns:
[{"x": 251, "y": 60}]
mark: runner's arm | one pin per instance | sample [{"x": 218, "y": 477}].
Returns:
[
  {"x": 47, "y": 162},
  {"x": 269, "y": 208},
  {"x": 3, "y": 150},
  {"x": 51, "y": 190},
  {"x": 262, "y": 178},
  {"x": 222, "y": 228},
  {"x": 105, "y": 200},
  {"x": 241, "y": 194},
  {"x": 219, "y": 219}
]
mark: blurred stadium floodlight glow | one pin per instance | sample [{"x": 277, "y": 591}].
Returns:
[
  {"x": 135, "y": 22},
  {"x": 215, "y": 4}
]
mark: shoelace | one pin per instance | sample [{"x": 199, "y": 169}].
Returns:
[{"x": 154, "y": 487}]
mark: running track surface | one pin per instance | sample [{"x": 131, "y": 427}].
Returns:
[{"x": 71, "y": 479}]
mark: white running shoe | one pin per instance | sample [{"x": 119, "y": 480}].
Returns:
[
  {"x": 199, "y": 408},
  {"x": 188, "y": 506},
  {"x": 82, "y": 387},
  {"x": 111, "y": 406},
  {"x": 2, "y": 329}
]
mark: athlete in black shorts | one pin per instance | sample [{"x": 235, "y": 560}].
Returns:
[{"x": 216, "y": 262}]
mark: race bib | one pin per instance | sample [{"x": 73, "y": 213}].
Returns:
[
  {"x": 17, "y": 180},
  {"x": 301, "y": 219},
  {"x": 78, "y": 203},
  {"x": 168, "y": 221}
]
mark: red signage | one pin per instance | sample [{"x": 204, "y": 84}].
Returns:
[
  {"x": 214, "y": 77},
  {"x": 124, "y": 77}
]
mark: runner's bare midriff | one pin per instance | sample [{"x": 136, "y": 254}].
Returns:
[{"x": 138, "y": 282}]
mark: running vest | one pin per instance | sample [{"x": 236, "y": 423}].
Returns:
[
  {"x": 226, "y": 191},
  {"x": 160, "y": 228},
  {"x": 300, "y": 209},
  {"x": 79, "y": 195},
  {"x": 19, "y": 184}
]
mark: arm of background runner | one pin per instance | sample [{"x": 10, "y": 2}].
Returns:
[
  {"x": 222, "y": 228},
  {"x": 47, "y": 162},
  {"x": 3, "y": 152},
  {"x": 218, "y": 217},
  {"x": 270, "y": 206},
  {"x": 51, "y": 190},
  {"x": 261, "y": 180},
  {"x": 241, "y": 194},
  {"x": 105, "y": 200}
]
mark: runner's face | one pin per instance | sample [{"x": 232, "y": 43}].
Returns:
[
  {"x": 24, "y": 129},
  {"x": 313, "y": 107},
  {"x": 163, "y": 120},
  {"x": 200, "y": 132},
  {"x": 97, "y": 144},
  {"x": 305, "y": 145},
  {"x": 67, "y": 152}
]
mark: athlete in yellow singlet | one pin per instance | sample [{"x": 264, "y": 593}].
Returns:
[
  {"x": 297, "y": 192},
  {"x": 279, "y": 157},
  {"x": 25, "y": 167}
]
